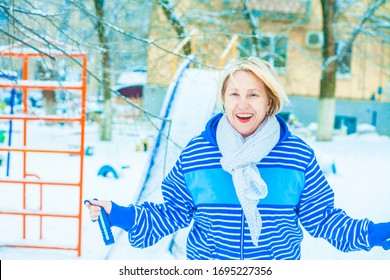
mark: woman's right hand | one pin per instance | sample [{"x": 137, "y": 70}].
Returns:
[{"x": 94, "y": 208}]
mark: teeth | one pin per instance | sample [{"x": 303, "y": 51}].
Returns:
[{"x": 244, "y": 115}]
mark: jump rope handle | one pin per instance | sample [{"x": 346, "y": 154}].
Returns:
[
  {"x": 386, "y": 244},
  {"x": 105, "y": 226}
]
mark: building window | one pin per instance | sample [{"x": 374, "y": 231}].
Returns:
[
  {"x": 272, "y": 49},
  {"x": 344, "y": 65}
]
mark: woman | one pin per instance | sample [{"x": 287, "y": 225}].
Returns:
[{"x": 245, "y": 182}]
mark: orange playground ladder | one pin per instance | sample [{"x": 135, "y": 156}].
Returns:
[{"x": 25, "y": 54}]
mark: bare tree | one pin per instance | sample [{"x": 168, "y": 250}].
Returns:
[
  {"x": 86, "y": 27},
  {"x": 177, "y": 23},
  {"x": 106, "y": 126},
  {"x": 331, "y": 59},
  {"x": 328, "y": 74},
  {"x": 254, "y": 26}
]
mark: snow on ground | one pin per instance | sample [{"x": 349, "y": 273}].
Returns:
[
  {"x": 121, "y": 152},
  {"x": 361, "y": 185}
]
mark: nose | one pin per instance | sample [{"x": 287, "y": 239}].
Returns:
[{"x": 243, "y": 102}]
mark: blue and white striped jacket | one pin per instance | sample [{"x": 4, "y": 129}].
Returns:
[{"x": 198, "y": 189}]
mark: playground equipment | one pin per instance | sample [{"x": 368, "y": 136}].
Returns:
[
  {"x": 20, "y": 51},
  {"x": 9, "y": 77},
  {"x": 229, "y": 52},
  {"x": 107, "y": 170}
]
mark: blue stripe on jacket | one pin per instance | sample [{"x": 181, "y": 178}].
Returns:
[
  {"x": 198, "y": 190},
  {"x": 286, "y": 183}
]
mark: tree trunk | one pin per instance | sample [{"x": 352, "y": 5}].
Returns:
[
  {"x": 49, "y": 97},
  {"x": 176, "y": 23},
  {"x": 106, "y": 125},
  {"x": 326, "y": 112},
  {"x": 47, "y": 73}
]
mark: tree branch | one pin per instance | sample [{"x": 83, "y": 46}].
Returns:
[{"x": 366, "y": 16}]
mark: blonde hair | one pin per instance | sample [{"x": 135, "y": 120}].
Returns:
[{"x": 263, "y": 71}]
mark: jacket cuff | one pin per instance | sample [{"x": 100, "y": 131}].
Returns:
[
  {"x": 377, "y": 233},
  {"x": 122, "y": 216}
]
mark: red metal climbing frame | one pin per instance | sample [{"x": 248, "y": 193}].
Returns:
[{"x": 24, "y": 84}]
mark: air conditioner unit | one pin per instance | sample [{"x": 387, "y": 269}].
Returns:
[{"x": 314, "y": 39}]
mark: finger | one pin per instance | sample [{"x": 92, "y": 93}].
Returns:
[
  {"x": 96, "y": 202},
  {"x": 99, "y": 203},
  {"x": 94, "y": 212},
  {"x": 91, "y": 202},
  {"x": 94, "y": 209},
  {"x": 106, "y": 205},
  {"x": 87, "y": 203},
  {"x": 94, "y": 218}
]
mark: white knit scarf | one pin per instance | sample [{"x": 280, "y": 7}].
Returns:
[{"x": 239, "y": 157}]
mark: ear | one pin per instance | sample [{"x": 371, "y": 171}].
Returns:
[
  {"x": 269, "y": 105},
  {"x": 223, "y": 108}
]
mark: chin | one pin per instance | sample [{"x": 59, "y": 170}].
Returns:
[{"x": 245, "y": 133}]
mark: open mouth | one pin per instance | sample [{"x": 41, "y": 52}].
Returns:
[{"x": 244, "y": 117}]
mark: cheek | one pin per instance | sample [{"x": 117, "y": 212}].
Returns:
[
  {"x": 259, "y": 107},
  {"x": 261, "y": 111},
  {"x": 228, "y": 105},
  {"x": 264, "y": 106},
  {"x": 229, "y": 110}
]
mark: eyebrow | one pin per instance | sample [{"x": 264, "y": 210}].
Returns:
[{"x": 251, "y": 89}]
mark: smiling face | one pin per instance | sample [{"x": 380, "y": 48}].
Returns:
[{"x": 246, "y": 102}]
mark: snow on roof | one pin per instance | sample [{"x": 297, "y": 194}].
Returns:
[
  {"x": 41, "y": 84},
  {"x": 132, "y": 78}
]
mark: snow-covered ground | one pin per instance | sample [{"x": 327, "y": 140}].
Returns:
[{"x": 361, "y": 184}]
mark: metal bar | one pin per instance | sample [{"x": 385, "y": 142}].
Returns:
[
  {"x": 82, "y": 148},
  {"x": 34, "y": 118},
  {"x": 181, "y": 45},
  {"x": 231, "y": 47},
  {"x": 52, "y": 85},
  {"x": 36, "y": 214},
  {"x": 40, "y": 182},
  {"x": 38, "y": 247},
  {"x": 33, "y": 54},
  {"x": 72, "y": 152}
]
